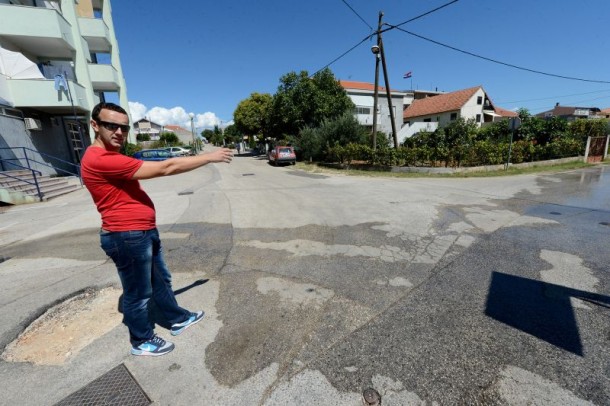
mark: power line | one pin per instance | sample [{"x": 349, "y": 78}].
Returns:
[
  {"x": 500, "y": 62},
  {"x": 354, "y": 11},
  {"x": 419, "y": 16},
  {"x": 341, "y": 56},
  {"x": 380, "y": 31},
  {"x": 552, "y": 97}
]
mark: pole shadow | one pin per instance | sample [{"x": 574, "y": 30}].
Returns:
[
  {"x": 155, "y": 315},
  {"x": 540, "y": 309}
]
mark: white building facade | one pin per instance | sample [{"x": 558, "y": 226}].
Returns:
[
  {"x": 59, "y": 58},
  {"x": 362, "y": 95}
]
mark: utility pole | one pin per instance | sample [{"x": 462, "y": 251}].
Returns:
[
  {"x": 375, "y": 50},
  {"x": 387, "y": 83}
]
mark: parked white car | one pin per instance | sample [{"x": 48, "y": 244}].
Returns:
[{"x": 178, "y": 151}]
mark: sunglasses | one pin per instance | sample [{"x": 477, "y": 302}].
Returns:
[{"x": 114, "y": 126}]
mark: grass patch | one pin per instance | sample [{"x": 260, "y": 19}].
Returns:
[{"x": 567, "y": 166}]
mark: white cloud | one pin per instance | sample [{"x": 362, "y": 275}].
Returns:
[
  {"x": 175, "y": 116},
  {"x": 137, "y": 110}
]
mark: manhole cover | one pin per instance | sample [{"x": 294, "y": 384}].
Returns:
[
  {"x": 370, "y": 397},
  {"x": 115, "y": 387}
]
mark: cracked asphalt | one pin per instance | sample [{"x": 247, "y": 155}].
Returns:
[{"x": 488, "y": 291}]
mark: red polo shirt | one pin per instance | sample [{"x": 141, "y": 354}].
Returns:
[{"x": 121, "y": 201}]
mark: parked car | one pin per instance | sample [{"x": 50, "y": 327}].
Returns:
[
  {"x": 153, "y": 155},
  {"x": 190, "y": 150},
  {"x": 282, "y": 154},
  {"x": 178, "y": 151}
]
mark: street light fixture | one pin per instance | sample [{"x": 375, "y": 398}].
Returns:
[{"x": 191, "y": 115}]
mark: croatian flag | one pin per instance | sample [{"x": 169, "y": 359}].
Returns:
[{"x": 407, "y": 75}]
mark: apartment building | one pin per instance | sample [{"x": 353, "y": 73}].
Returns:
[
  {"x": 362, "y": 95},
  {"x": 58, "y": 59}
]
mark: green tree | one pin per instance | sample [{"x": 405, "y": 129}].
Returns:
[
  {"x": 302, "y": 101},
  {"x": 251, "y": 114},
  {"x": 315, "y": 143},
  {"x": 232, "y": 134},
  {"x": 583, "y": 128},
  {"x": 169, "y": 139},
  {"x": 214, "y": 136}
]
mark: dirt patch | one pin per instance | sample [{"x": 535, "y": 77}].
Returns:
[{"x": 65, "y": 329}]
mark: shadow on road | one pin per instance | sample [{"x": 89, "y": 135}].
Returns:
[
  {"x": 156, "y": 316},
  {"x": 539, "y": 308}
]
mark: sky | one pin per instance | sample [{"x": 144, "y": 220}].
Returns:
[{"x": 204, "y": 57}]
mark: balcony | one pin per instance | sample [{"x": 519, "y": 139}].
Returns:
[
  {"x": 96, "y": 33},
  {"x": 38, "y": 31},
  {"x": 104, "y": 78},
  {"x": 40, "y": 94}
]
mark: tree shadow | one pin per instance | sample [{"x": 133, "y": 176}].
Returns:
[
  {"x": 155, "y": 315},
  {"x": 539, "y": 308}
]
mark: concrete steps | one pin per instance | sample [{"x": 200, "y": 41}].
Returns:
[{"x": 18, "y": 187}]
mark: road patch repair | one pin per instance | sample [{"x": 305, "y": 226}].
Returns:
[{"x": 66, "y": 328}]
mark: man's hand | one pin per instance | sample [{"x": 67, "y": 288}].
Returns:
[{"x": 221, "y": 155}]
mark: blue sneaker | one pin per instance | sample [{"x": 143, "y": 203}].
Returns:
[
  {"x": 155, "y": 346},
  {"x": 180, "y": 327}
]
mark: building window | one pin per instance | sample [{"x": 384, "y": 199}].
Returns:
[
  {"x": 453, "y": 116},
  {"x": 478, "y": 118},
  {"x": 480, "y": 100},
  {"x": 363, "y": 110},
  {"x": 427, "y": 120}
]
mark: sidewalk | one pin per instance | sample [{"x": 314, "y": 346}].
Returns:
[{"x": 37, "y": 275}]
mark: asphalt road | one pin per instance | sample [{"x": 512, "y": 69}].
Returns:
[{"x": 491, "y": 291}]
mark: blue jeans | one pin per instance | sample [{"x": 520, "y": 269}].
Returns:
[{"x": 139, "y": 260}]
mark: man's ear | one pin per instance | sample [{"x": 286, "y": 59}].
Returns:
[{"x": 95, "y": 127}]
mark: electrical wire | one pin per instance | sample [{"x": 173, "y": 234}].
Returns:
[
  {"x": 418, "y": 17},
  {"x": 552, "y": 97},
  {"x": 341, "y": 56},
  {"x": 499, "y": 62},
  {"x": 354, "y": 11},
  {"x": 372, "y": 34}
]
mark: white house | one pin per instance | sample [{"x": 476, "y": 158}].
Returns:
[
  {"x": 363, "y": 96},
  {"x": 437, "y": 111},
  {"x": 185, "y": 136}
]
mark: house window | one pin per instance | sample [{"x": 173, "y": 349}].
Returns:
[
  {"x": 480, "y": 100},
  {"x": 478, "y": 118},
  {"x": 427, "y": 120},
  {"x": 453, "y": 116},
  {"x": 363, "y": 110}
]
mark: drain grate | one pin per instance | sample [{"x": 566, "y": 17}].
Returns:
[{"x": 115, "y": 387}]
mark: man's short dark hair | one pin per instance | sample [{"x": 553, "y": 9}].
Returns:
[{"x": 95, "y": 113}]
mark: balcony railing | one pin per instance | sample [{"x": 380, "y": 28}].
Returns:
[
  {"x": 41, "y": 93},
  {"x": 37, "y": 30}
]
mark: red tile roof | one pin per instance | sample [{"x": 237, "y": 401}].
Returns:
[
  {"x": 505, "y": 113},
  {"x": 348, "y": 84},
  {"x": 440, "y": 104},
  {"x": 175, "y": 127},
  {"x": 605, "y": 111}
]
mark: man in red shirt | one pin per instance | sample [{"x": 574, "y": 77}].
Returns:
[{"x": 129, "y": 232}]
